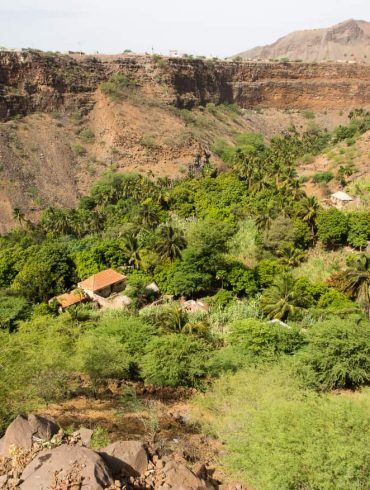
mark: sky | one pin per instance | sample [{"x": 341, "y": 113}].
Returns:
[{"x": 200, "y": 27}]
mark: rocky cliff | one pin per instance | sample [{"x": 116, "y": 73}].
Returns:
[
  {"x": 37, "y": 82},
  {"x": 59, "y": 131}
]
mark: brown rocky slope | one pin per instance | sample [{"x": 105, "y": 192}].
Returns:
[
  {"x": 59, "y": 131},
  {"x": 347, "y": 41}
]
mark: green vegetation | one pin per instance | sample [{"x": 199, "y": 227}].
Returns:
[
  {"x": 118, "y": 86},
  {"x": 288, "y": 316},
  {"x": 279, "y": 435}
]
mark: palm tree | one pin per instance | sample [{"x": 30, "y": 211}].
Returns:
[
  {"x": 132, "y": 248},
  {"x": 171, "y": 242},
  {"x": 281, "y": 299},
  {"x": 148, "y": 215},
  {"x": 291, "y": 256},
  {"x": 309, "y": 209},
  {"x": 355, "y": 282}
]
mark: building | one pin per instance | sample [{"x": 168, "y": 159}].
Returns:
[
  {"x": 103, "y": 284},
  {"x": 340, "y": 199},
  {"x": 66, "y": 300},
  {"x": 192, "y": 306}
]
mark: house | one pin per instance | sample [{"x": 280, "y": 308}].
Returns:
[
  {"x": 192, "y": 306},
  {"x": 66, "y": 300},
  {"x": 103, "y": 284},
  {"x": 340, "y": 199}
]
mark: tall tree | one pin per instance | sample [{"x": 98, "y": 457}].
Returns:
[
  {"x": 170, "y": 242},
  {"x": 355, "y": 282},
  {"x": 281, "y": 299}
]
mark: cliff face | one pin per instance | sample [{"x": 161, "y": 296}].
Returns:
[
  {"x": 272, "y": 85},
  {"x": 59, "y": 132},
  {"x": 38, "y": 82}
]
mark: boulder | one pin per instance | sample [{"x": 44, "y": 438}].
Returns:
[
  {"x": 66, "y": 467},
  {"x": 84, "y": 436},
  {"x": 178, "y": 476},
  {"x": 43, "y": 427},
  {"x": 3, "y": 480},
  {"x": 128, "y": 458},
  {"x": 18, "y": 434},
  {"x": 22, "y": 432}
]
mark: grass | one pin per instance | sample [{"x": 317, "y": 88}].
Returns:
[
  {"x": 320, "y": 264},
  {"x": 78, "y": 149},
  {"x": 100, "y": 438},
  {"x": 278, "y": 435}
]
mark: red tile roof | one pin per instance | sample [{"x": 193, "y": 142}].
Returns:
[
  {"x": 69, "y": 299},
  {"x": 101, "y": 280}
]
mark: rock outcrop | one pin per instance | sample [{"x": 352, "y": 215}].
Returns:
[
  {"x": 66, "y": 467},
  {"x": 23, "y": 432},
  {"x": 347, "y": 41},
  {"x": 67, "y": 463},
  {"x": 127, "y": 458},
  {"x": 40, "y": 82}
]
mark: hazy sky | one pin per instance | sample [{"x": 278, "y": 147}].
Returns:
[{"x": 209, "y": 27}]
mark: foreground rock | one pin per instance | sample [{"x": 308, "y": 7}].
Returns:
[
  {"x": 22, "y": 432},
  {"x": 127, "y": 458},
  {"x": 178, "y": 476},
  {"x": 66, "y": 467}
]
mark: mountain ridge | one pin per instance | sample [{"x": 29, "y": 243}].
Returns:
[{"x": 346, "y": 41}]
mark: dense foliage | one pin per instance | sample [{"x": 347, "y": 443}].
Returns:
[{"x": 244, "y": 242}]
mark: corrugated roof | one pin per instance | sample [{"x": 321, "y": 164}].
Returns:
[
  {"x": 69, "y": 299},
  {"x": 342, "y": 196},
  {"x": 101, "y": 280}
]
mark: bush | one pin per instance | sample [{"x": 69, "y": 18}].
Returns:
[
  {"x": 12, "y": 309},
  {"x": 335, "y": 300},
  {"x": 332, "y": 227},
  {"x": 78, "y": 149},
  {"x": 102, "y": 358},
  {"x": 241, "y": 280},
  {"x": 261, "y": 341},
  {"x": 277, "y": 436},
  {"x": 322, "y": 177},
  {"x": 175, "y": 360},
  {"x": 118, "y": 86},
  {"x": 222, "y": 298},
  {"x": 359, "y": 229},
  {"x": 337, "y": 355}
]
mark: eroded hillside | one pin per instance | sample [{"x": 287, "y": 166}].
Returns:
[{"x": 60, "y": 131}]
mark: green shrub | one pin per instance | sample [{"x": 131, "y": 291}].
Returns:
[
  {"x": 118, "y": 86},
  {"x": 322, "y": 177},
  {"x": 307, "y": 114},
  {"x": 359, "y": 229},
  {"x": 337, "y": 355},
  {"x": 12, "y": 309},
  {"x": 277, "y": 436},
  {"x": 102, "y": 358},
  {"x": 78, "y": 149},
  {"x": 100, "y": 438},
  {"x": 222, "y": 298},
  {"x": 86, "y": 135},
  {"x": 332, "y": 227},
  {"x": 261, "y": 341},
  {"x": 175, "y": 360},
  {"x": 335, "y": 300},
  {"x": 241, "y": 280}
]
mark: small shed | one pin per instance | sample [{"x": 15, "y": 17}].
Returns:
[
  {"x": 69, "y": 299},
  {"x": 103, "y": 284},
  {"x": 340, "y": 199}
]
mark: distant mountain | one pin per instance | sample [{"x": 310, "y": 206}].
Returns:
[{"x": 347, "y": 41}]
